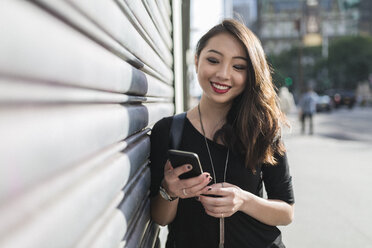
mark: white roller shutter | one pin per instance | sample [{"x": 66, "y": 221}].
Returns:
[{"x": 81, "y": 82}]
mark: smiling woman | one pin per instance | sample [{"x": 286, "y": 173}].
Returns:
[
  {"x": 235, "y": 131},
  {"x": 221, "y": 68}
]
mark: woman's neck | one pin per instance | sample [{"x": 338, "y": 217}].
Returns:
[
  {"x": 213, "y": 112},
  {"x": 213, "y": 117}
]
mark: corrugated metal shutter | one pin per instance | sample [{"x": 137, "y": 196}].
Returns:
[{"x": 80, "y": 82}]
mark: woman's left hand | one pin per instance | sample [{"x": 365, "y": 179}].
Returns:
[{"x": 230, "y": 199}]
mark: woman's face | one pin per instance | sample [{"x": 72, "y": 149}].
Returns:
[{"x": 222, "y": 68}]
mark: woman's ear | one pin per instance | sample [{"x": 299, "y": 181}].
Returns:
[{"x": 196, "y": 63}]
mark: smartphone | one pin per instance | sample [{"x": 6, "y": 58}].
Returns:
[{"x": 178, "y": 158}]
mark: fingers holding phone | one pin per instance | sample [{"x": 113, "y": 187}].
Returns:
[
  {"x": 172, "y": 174},
  {"x": 194, "y": 186},
  {"x": 183, "y": 175},
  {"x": 180, "y": 158},
  {"x": 184, "y": 188}
]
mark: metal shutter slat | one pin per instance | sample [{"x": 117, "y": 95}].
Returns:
[
  {"x": 14, "y": 212},
  {"x": 139, "y": 229},
  {"x": 73, "y": 17},
  {"x": 61, "y": 223},
  {"x": 17, "y": 91},
  {"x": 61, "y": 56},
  {"x": 135, "y": 195},
  {"x": 150, "y": 236},
  {"x": 165, "y": 13},
  {"x": 75, "y": 130},
  {"x": 112, "y": 234},
  {"x": 143, "y": 22},
  {"x": 110, "y": 226},
  {"x": 158, "y": 88},
  {"x": 108, "y": 16},
  {"x": 152, "y": 9},
  {"x": 80, "y": 82},
  {"x": 158, "y": 110}
]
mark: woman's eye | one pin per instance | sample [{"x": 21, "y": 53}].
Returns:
[
  {"x": 239, "y": 67},
  {"x": 212, "y": 60}
]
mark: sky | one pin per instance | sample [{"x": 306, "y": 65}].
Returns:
[{"x": 204, "y": 15}]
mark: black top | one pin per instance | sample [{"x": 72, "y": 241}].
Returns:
[{"x": 192, "y": 227}]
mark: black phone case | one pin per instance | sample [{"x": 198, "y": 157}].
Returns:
[{"x": 178, "y": 158}]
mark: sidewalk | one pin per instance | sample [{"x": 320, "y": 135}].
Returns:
[{"x": 333, "y": 191}]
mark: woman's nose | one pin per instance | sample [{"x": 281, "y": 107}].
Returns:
[{"x": 223, "y": 71}]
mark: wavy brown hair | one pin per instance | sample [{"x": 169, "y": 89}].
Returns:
[{"x": 253, "y": 124}]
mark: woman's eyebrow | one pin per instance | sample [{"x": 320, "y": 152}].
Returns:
[
  {"x": 236, "y": 57},
  {"x": 214, "y": 51},
  {"x": 240, "y": 57}
]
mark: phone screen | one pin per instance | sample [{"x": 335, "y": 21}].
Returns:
[{"x": 179, "y": 158}]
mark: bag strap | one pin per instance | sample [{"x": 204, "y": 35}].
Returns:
[{"x": 176, "y": 130}]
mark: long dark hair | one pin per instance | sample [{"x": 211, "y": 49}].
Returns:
[{"x": 253, "y": 124}]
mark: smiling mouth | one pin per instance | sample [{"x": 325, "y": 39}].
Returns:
[{"x": 220, "y": 88}]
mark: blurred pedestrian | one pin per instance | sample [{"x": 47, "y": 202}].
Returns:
[
  {"x": 286, "y": 100},
  {"x": 236, "y": 132},
  {"x": 307, "y": 106}
]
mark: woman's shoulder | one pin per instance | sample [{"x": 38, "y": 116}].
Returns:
[
  {"x": 163, "y": 125},
  {"x": 280, "y": 158},
  {"x": 166, "y": 122},
  {"x": 279, "y": 169}
]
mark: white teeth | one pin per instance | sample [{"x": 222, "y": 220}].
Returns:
[{"x": 220, "y": 87}]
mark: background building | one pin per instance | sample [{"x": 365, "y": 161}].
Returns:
[
  {"x": 247, "y": 11},
  {"x": 283, "y": 23},
  {"x": 365, "y": 16}
]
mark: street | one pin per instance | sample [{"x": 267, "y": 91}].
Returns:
[{"x": 331, "y": 173}]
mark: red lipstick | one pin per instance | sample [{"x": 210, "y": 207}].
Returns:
[{"x": 220, "y": 88}]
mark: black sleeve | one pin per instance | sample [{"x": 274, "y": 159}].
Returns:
[
  {"x": 278, "y": 181},
  {"x": 158, "y": 155}
]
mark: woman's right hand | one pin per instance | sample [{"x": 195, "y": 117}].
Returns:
[{"x": 183, "y": 188}]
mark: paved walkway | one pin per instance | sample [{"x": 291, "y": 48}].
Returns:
[{"x": 333, "y": 186}]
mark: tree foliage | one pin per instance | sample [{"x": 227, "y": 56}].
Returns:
[{"x": 349, "y": 62}]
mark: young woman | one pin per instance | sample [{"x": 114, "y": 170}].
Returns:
[{"x": 235, "y": 130}]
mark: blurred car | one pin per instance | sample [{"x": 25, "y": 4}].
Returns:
[
  {"x": 324, "y": 104},
  {"x": 341, "y": 97}
]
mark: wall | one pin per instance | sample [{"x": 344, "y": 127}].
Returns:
[{"x": 81, "y": 82}]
